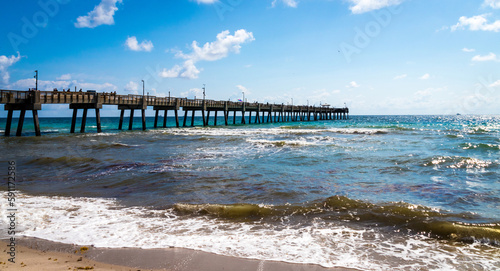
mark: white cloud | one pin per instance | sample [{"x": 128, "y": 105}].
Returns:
[
  {"x": 134, "y": 45},
  {"x": 289, "y": 3},
  {"x": 492, "y": 3},
  {"x": 101, "y": 14},
  {"x": 172, "y": 73},
  {"x": 475, "y": 23},
  {"x": 489, "y": 57},
  {"x": 211, "y": 51},
  {"x": 206, "y": 1},
  {"x": 194, "y": 92},
  {"x": 353, "y": 84},
  {"x": 495, "y": 84},
  {"x": 467, "y": 50},
  {"x": 64, "y": 77},
  {"x": 132, "y": 87},
  {"x": 243, "y": 89},
  {"x": 362, "y": 6},
  {"x": 425, "y": 76},
  {"x": 402, "y": 76},
  {"x": 5, "y": 63}
]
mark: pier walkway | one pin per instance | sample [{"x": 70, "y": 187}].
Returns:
[{"x": 15, "y": 100}]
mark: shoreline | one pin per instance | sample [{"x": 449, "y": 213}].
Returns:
[{"x": 39, "y": 254}]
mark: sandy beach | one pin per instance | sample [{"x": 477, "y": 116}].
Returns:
[
  {"x": 49, "y": 258},
  {"x": 36, "y": 254}
]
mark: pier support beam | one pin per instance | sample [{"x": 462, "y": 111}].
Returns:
[
  {"x": 84, "y": 120},
  {"x": 98, "y": 120},
  {"x": 165, "y": 118},
  {"x": 156, "y": 119},
  {"x": 192, "y": 119},
  {"x": 120, "y": 124},
  {"x": 143, "y": 111},
  {"x": 185, "y": 118},
  {"x": 176, "y": 118},
  {"x": 142, "y": 107},
  {"x": 85, "y": 108},
  {"x": 131, "y": 120},
  {"x": 36, "y": 123},
  {"x": 22, "y": 107},
  {"x": 21, "y": 122},
  {"x": 73, "y": 121},
  {"x": 9, "y": 122}
]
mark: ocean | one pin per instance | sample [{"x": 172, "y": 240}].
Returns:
[{"x": 370, "y": 192}]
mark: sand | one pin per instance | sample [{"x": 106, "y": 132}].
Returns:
[
  {"x": 36, "y": 254},
  {"x": 28, "y": 259}
]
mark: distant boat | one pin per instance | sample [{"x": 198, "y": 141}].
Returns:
[{"x": 458, "y": 114}]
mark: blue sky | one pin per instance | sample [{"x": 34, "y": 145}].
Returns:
[{"x": 377, "y": 56}]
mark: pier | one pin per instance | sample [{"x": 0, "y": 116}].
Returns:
[{"x": 22, "y": 101}]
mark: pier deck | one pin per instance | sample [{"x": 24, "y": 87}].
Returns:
[{"x": 15, "y": 100}]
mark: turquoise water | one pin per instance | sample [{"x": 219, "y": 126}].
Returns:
[{"x": 371, "y": 192}]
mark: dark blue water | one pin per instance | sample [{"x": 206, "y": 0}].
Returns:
[{"x": 371, "y": 192}]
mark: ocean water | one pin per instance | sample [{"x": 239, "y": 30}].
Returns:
[{"x": 371, "y": 192}]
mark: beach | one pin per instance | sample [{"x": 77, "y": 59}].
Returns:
[{"x": 36, "y": 254}]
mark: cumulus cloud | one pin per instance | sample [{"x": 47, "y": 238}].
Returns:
[
  {"x": 353, "y": 84},
  {"x": 5, "y": 63},
  {"x": 492, "y": 3},
  {"x": 242, "y": 88},
  {"x": 101, "y": 14},
  {"x": 362, "y": 6},
  {"x": 205, "y": 1},
  {"x": 194, "y": 92},
  {"x": 476, "y": 23},
  {"x": 132, "y": 87},
  {"x": 64, "y": 77},
  {"x": 467, "y": 50},
  {"x": 134, "y": 45},
  {"x": 425, "y": 76},
  {"x": 288, "y": 3},
  {"x": 400, "y": 76},
  {"x": 488, "y": 57},
  {"x": 495, "y": 84},
  {"x": 211, "y": 51}
]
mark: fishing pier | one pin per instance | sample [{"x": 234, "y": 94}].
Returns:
[{"x": 33, "y": 100}]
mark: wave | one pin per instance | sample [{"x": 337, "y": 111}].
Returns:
[
  {"x": 283, "y": 130},
  {"x": 480, "y": 147},
  {"x": 111, "y": 145},
  {"x": 359, "y": 131},
  {"x": 64, "y": 160},
  {"x": 281, "y": 143},
  {"x": 398, "y": 215},
  {"x": 458, "y": 162}
]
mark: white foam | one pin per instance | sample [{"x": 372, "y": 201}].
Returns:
[
  {"x": 104, "y": 223},
  {"x": 209, "y": 131}
]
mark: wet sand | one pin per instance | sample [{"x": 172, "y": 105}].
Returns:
[{"x": 36, "y": 254}]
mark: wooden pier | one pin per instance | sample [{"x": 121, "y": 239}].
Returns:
[{"x": 263, "y": 112}]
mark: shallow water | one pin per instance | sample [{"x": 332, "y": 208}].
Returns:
[{"x": 371, "y": 192}]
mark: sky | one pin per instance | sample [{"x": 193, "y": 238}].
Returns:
[{"x": 378, "y": 57}]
